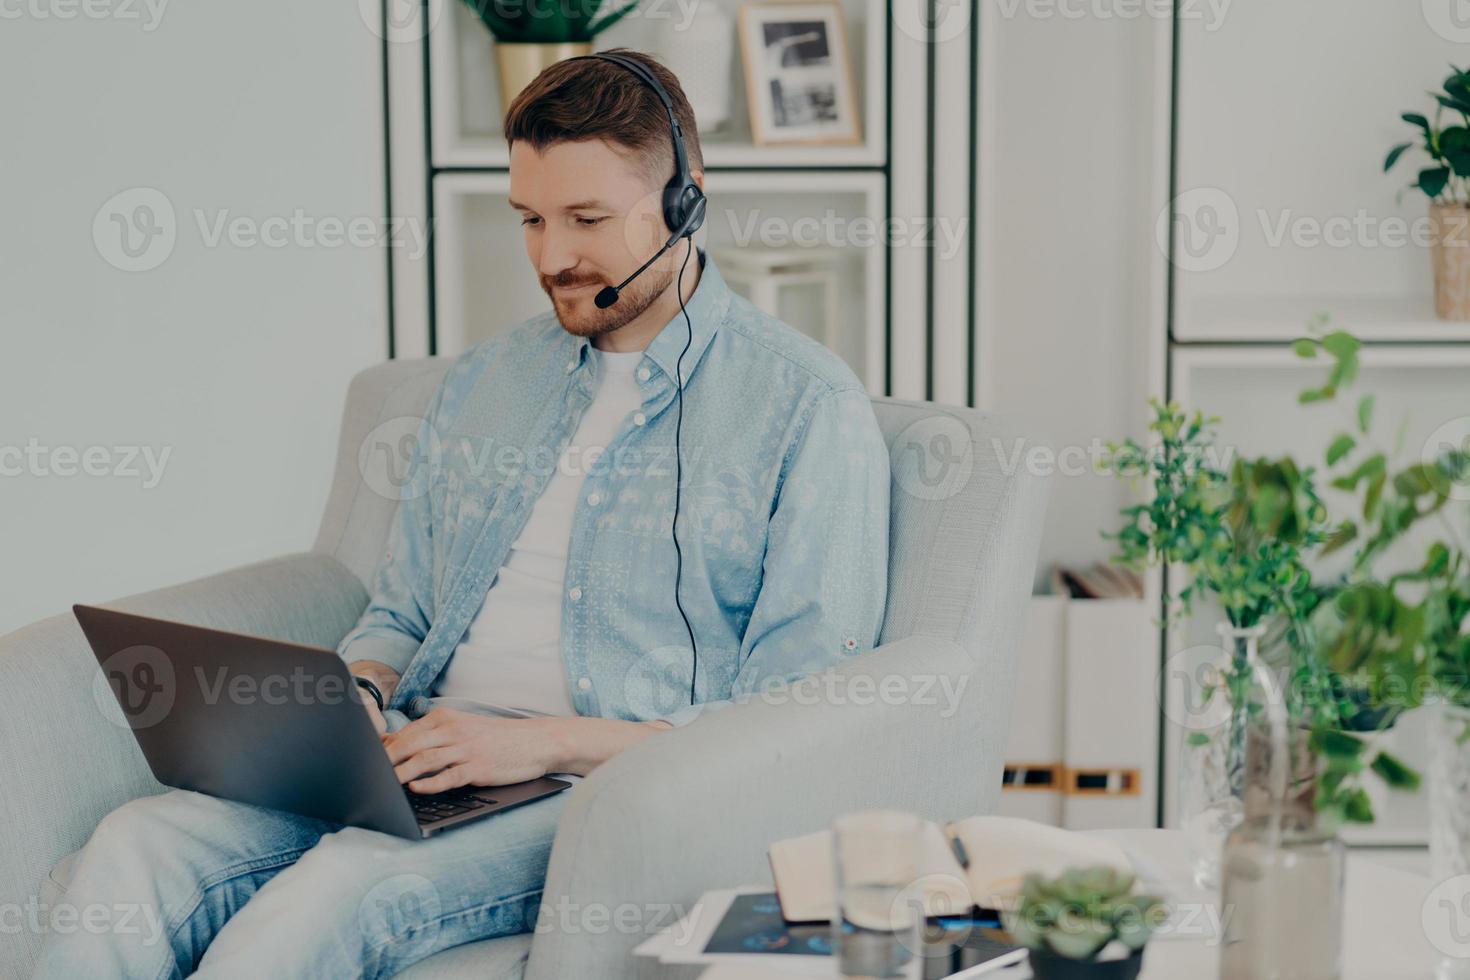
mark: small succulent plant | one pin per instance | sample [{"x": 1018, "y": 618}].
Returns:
[{"x": 1077, "y": 914}]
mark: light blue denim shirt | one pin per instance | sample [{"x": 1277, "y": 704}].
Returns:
[{"x": 783, "y": 516}]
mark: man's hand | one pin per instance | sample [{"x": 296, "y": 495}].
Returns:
[
  {"x": 386, "y": 678},
  {"x": 447, "y": 749}
]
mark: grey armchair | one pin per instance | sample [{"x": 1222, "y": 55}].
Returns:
[{"x": 676, "y": 815}]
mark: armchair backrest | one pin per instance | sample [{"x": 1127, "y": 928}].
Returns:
[
  {"x": 965, "y": 522},
  {"x": 965, "y": 525}
]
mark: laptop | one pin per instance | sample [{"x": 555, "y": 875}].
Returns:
[{"x": 266, "y": 722}]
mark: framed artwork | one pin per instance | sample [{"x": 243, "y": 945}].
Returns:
[{"x": 798, "y": 79}]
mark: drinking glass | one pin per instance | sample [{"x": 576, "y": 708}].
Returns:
[{"x": 879, "y": 913}]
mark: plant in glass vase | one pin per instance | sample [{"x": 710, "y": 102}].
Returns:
[
  {"x": 1312, "y": 670},
  {"x": 1353, "y": 670},
  {"x": 1238, "y": 532}
]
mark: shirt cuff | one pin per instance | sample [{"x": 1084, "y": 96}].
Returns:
[{"x": 391, "y": 648}]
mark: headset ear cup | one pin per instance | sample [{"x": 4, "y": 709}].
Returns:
[
  {"x": 695, "y": 206},
  {"x": 680, "y": 203},
  {"x": 674, "y": 213}
]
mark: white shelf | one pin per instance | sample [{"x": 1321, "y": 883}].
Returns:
[
  {"x": 1252, "y": 361},
  {"x": 478, "y": 153},
  {"x": 1374, "y": 835},
  {"x": 466, "y": 111},
  {"x": 1285, "y": 318}
]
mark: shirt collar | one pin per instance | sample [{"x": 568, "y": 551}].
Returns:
[{"x": 706, "y": 307}]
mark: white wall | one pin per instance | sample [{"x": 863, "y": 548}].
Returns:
[
  {"x": 232, "y": 358},
  {"x": 1069, "y": 280}
]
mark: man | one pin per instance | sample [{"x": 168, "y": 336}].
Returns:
[{"x": 523, "y": 617}]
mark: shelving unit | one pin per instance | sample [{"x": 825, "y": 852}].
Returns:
[
  {"x": 450, "y": 168},
  {"x": 1281, "y": 213}
]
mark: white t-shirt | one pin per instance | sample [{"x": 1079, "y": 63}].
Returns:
[{"x": 510, "y": 657}]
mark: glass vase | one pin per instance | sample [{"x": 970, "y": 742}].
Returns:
[
  {"x": 1283, "y": 869},
  {"x": 1211, "y": 785},
  {"x": 1449, "y": 831}
]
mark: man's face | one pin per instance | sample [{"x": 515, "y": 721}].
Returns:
[{"x": 590, "y": 218}]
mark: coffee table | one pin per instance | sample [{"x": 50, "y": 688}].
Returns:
[{"x": 1384, "y": 935}]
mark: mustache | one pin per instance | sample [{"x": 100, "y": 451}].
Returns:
[{"x": 563, "y": 280}]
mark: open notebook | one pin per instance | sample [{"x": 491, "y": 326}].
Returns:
[{"x": 978, "y": 861}]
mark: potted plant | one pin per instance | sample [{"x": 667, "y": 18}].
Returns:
[
  {"x": 1085, "y": 924},
  {"x": 531, "y": 35},
  {"x": 1446, "y": 182}
]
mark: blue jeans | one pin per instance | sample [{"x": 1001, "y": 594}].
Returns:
[{"x": 233, "y": 890}]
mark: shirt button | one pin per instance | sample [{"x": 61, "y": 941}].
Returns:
[
  {"x": 574, "y": 594},
  {"x": 594, "y": 499},
  {"x": 585, "y": 683},
  {"x": 571, "y": 366},
  {"x": 639, "y": 418},
  {"x": 643, "y": 374}
]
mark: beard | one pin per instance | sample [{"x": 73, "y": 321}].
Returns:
[{"x": 579, "y": 315}]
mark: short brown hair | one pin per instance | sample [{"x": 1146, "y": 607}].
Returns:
[{"x": 589, "y": 98}]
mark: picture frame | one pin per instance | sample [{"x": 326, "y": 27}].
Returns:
[{"x": 798, "y": 73}]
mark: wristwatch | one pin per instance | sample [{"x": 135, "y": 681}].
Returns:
[{"x": 372, "y": 689}]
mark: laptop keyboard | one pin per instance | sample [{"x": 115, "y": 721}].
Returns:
[{"x": 438, "y": 806}]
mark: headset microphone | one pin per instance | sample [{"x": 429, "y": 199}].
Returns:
[{"x": 608, "y": 295}]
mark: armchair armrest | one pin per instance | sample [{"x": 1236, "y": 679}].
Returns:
[
  {"x": 65, "y": 764},
  {"x": 695, "y": 808}
]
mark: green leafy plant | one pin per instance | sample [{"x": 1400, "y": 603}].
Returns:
[
  {"x": 546, "y": 21},
  {"x": 1078, "y": 913},
  {"x": 1390, "y": 640},
  {"x": 1353, "y": 648},
  {"x": 1447, "y": 180},
  {"x": 1238, "y": 531}
]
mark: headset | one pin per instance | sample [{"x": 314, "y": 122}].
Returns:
[{"x": 684, "y": 205}]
